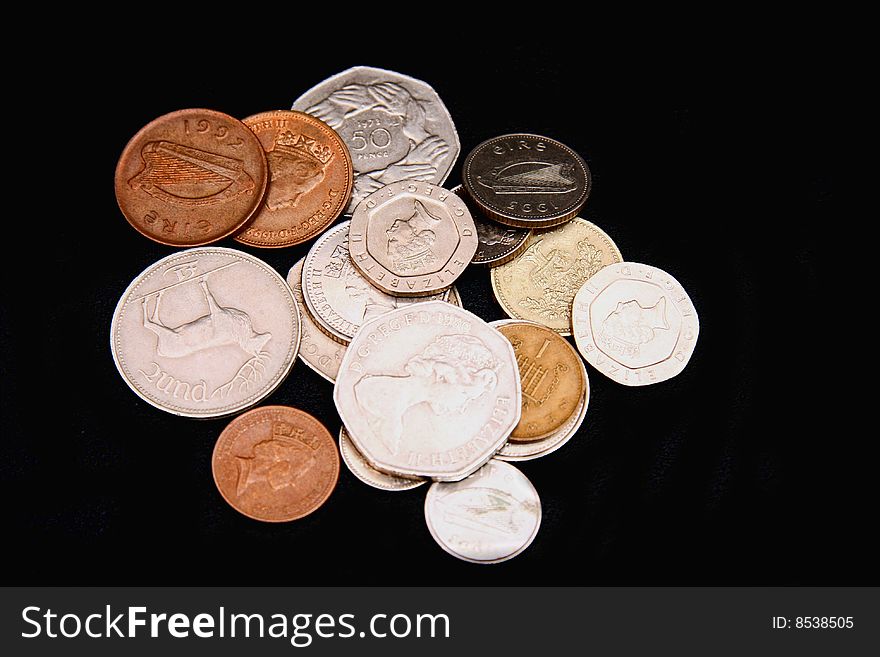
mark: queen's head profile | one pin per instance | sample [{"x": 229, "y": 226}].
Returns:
[
  {"x": 278, "y": 462},
  {"x": 296, "y": 166},
  {"x": 447, "y": 375}
]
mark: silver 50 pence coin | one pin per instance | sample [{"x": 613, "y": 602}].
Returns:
[
  {"x": 396, "y": 127},
  {"x": 428, "y": 391}
]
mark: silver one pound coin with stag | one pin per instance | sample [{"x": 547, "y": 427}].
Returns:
[{"x": 205, "y": 332}]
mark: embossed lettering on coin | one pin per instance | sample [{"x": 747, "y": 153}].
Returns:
[
  {"x": 395, "y": 126},
  {"x": 311, "y": 179},
  {"x": 491, "y": 516},
  {"x": 191, "y": 177},
  {"x": 635, "y": 324},
  {"x": 205, "y": 332},
  {"x": 539, "y": 284},
  {"x": 337, "y": 294},
  {"x": 428, "y": 391},
  {"x": 412, "y": 239},
  {"x": 527, "y": 180},
  {"x": 275, "y": 464},
  {"x": 317, "y": 349}
]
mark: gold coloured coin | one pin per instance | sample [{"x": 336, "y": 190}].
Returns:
[
  {"x": 552, "y": 378},
  {"x": 539, "y": 285}
]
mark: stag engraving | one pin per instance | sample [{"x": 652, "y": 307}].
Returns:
[{"x": 220, "y": 327}]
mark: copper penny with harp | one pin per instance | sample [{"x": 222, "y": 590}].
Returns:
[{"x": 191, "y": 177}]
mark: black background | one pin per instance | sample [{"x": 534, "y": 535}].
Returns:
[{"x": 699, "y": 167}]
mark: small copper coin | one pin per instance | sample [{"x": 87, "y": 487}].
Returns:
[
  {"x": 310, "y": 179},
  {"x": 191, "y": 177},
  {"x": 275, "y": 464},
  {"x": 552, "y": 377},
  {"x": 527, "y": 180},
  {"x": 497, "y": 243}
]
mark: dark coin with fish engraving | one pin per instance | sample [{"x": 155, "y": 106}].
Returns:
[
  {"x": 527, "y": 181},
  {"x": 191, "y": 177}
]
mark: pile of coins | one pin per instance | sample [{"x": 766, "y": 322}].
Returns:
[{"x": 426, "y": 390}]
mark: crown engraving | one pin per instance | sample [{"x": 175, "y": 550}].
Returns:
[
  {"x": 292, "y": 143},
  {"x": 287, "y": 433}
]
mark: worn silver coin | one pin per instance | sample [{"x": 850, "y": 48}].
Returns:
[
  {"x": 491, "y": 516},
  {"x": 428, "y": 391},
  {"x": 396, "y": 127},
  {"x": 205, "y": 332},
  {"x": 316, "y": 349},
  {"x": 635, "y": 324},
  {"x": 337, "y": 295},
  {"x": 358, "y": 466}
]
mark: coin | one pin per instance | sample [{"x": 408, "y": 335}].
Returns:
[
  {"x": 275, "y": 464},
  {"x": 316, "y": 349},
  {"x": 337, "y": 295},
  {"x": 205, "y": 332},
  {"x": 191, "y": 177},
  {"x": 412, "y": 239},
  {"x": 532, "y": 450},
  {"x": 539, "y": 284},
  {"x": 310, "y": 179},
  {"x": 396, "y": 127},
  {"x": 497, "y": 243},
  {"x": 454, "y": 297},
  {"x": 635, "y": 324},
  {"x": 527, "y": 180},
  {"x": 491, "y": 516},
  {"x": 359, "y": 467},
  {"x": 428, "y": 391},
  {"x": 552, "y": 378}
]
